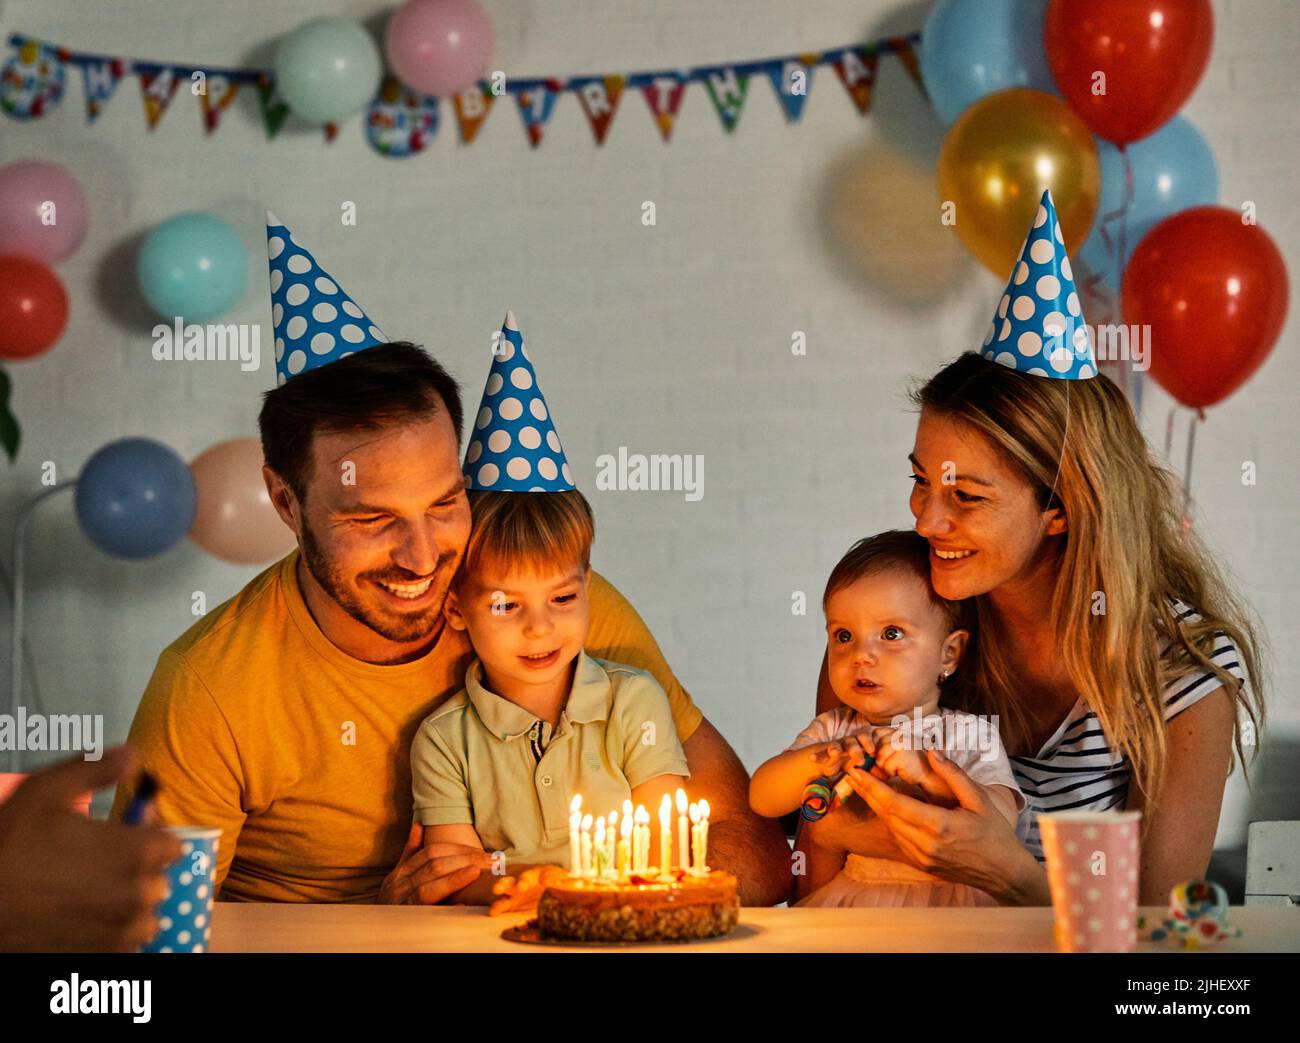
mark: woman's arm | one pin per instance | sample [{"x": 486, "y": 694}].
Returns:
[{"x": 1178, "y": 837}]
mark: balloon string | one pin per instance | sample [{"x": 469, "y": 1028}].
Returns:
[
  {"x": 1187, "y": 470},
  {"x": 1169, "y": 433}
]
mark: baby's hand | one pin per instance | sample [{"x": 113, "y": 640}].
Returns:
[{"x": 912, "y": 766}]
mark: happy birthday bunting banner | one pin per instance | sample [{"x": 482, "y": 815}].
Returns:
[
  {"x": 157, "y": 88},
  {"x": 856, "y": 68},
  {"x": 472, "y": 105},
  {"x": 218, "y": 93},
  {"x": 401, "y": 123},
  {"x": 536, "y": 100},
  {"x": 100, "y": 79},
  {"x": 663, "y": 92},
  {"x": 598, "y": 96},
  {"x": 727, "y": 87},
  {"x": 792, "y": 78}
]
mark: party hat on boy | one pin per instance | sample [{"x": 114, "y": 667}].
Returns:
[
  {"x": 1039, "y": 327},
  {"x": 315, "y": 321},
  {"x": 514, "y": 447}
]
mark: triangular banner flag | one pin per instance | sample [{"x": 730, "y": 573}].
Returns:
[
  {"x": 536, "y": 100},
  {"x": 472, "y": 105},
  {"x": 158, "y": 85},
  {"x": 792, "y": 78},
  {"x": 100, "y": 78},
  {"x": 727, "y": 88},
  {"x": 275, "y": 110},
  {"x": 663, "y": 93},
  {"x": 907, "y": 55},
  {"x": 856, "y": 68},
  {"x": 598, "y": 96},
  {"x": 217, "y": 95}
]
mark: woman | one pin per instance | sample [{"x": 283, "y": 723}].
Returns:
[{"x": 1105, "y": 638}]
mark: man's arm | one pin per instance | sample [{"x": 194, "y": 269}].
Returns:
[
  {"x": 740, "y": 841},
  {"x": 181, "y": 738}
]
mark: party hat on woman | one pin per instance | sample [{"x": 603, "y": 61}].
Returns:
[
  {"x": 1039, "y": 327},
  {"x": 315, "y": 322},
  {"x": 514, "y": 447}
]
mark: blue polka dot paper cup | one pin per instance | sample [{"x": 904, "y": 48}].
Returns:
[{"x": 185, "y": 915}]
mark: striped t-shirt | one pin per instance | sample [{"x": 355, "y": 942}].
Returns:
[{"x": 1077, "y": 770}]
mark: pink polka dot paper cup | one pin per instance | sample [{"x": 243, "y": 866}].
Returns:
[{"x": 1092, "y": 869}]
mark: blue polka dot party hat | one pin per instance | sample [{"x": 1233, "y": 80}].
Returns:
[
  {"x": 1039, "y": 326},
  {"x": 315, "y": 322},
  {"x": 514, "y": 447}
]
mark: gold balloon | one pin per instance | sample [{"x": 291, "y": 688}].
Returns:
[{"x": 995, "y": 162}]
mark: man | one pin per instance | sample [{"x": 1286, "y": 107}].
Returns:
[{"x": 285, "y": 717}]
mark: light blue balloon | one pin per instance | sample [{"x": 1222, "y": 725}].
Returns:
[
  {"x": 135, "y": 498},
  {"x": 193, "y": 267},
  {"x": 1173, "y": 169},
  {"x": 973, "y": 48},
  {"x": 327, "y": 69}
]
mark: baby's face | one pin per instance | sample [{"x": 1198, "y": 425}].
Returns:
[
  {"x": 527, "y": 626},
  {"x": 884, "y": 645}
]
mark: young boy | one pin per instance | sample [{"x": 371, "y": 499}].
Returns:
[{"x": 539, "y": 720}]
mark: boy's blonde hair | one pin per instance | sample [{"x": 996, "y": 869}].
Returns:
[{"x": 520, "y": 530}]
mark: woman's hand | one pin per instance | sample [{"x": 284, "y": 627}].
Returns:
[{"x": 969, "y": 844}]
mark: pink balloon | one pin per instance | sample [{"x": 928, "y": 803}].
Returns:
[
  {"x": 42, "y": 211},
  {"x": 439, "y": 46},
  {"x": 235, "y": 520}
]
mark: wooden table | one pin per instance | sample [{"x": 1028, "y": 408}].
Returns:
[{"x": 240, "y": 927}]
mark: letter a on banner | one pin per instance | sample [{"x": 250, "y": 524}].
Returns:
[
  {"x": 471, "y": 106},
  {"x": 536, "y": 99},
  {"x": 727, "y": 87},
  {"x": 598, "y": 96},
  {"x": 663, "y": 92},
  {"x": 157, "y": 86},
  {"x": 856, "y": 68}
]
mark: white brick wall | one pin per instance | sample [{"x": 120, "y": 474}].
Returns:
[{"x": 673, "y": 338}]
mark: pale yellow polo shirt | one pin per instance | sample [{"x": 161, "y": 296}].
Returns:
[{"x": 474, "y": 759}]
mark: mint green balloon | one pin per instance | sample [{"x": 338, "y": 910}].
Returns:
[
  {"x": 327, "y": 69},
  {"x": 192, "y": 267}
]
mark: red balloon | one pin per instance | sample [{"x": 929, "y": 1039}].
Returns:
[
  {"x": 1152, "y": 52},
  {"x": 33, "y": 308},
  {"x": 1214, "y": 292}
]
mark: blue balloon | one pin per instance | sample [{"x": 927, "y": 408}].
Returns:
[
  {"x": 973, "y": 48},
  {"x": 1173, "y": 169},
  {"x": 135, "y": 498},
  {"x": 192, "y": 267}
]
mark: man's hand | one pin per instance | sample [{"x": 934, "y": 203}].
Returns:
[
  {"x": 68, "y": 884},
  {"x": 427, "y": 875}
]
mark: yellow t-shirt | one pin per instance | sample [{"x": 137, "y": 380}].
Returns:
[{"x": 256, "y": 723}]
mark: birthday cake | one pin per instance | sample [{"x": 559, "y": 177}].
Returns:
[{"x": 652, "y": 908}]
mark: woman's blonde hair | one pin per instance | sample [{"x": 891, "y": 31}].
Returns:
[
  {"x": 1126, "y": 554},
  {"x": 526, "y": 530}
]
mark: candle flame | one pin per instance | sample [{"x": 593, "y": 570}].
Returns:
[
  {"x": 642, "y": 816},
  {"x": 625, "y": 829},
  {"x": 600, "y": 830},
  {"x": 576, "y": 802},
  {"x": 681, "y": 801},
  {"x": 665, "y": 807},
  {"x": 575, "y": 820},
  {"x": 695, "y": 813},
  {"x": 586, "y": 822},
  {"x": 704, "y": 808},
  {"x": 627, "y": 809},
  {"x": 613, "y": 818}
]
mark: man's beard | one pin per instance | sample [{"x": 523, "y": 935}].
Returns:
[{"x": 402, "y": 629}]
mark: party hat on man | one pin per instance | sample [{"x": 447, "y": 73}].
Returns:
[
  {"x": 514, "y": 447},
  {"x": 315, "y": 322},
  {"x": 1039, "y": 326}
]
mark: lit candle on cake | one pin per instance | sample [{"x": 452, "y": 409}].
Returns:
[
  {"x": 704, "y": 836},
  {"x": 665, "y": 835},
  {"x": 599, "y": 854},
  {"x": 683, "y": 844},
  {"x": 624, "y": 846},
  {"x": 575, "y": 843},
  {"x": 586, "y": 845},
  {"x": 611, "y": 840},
  {"x": 642, "y": 841},
  {"x": 696, "y": 841}
]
